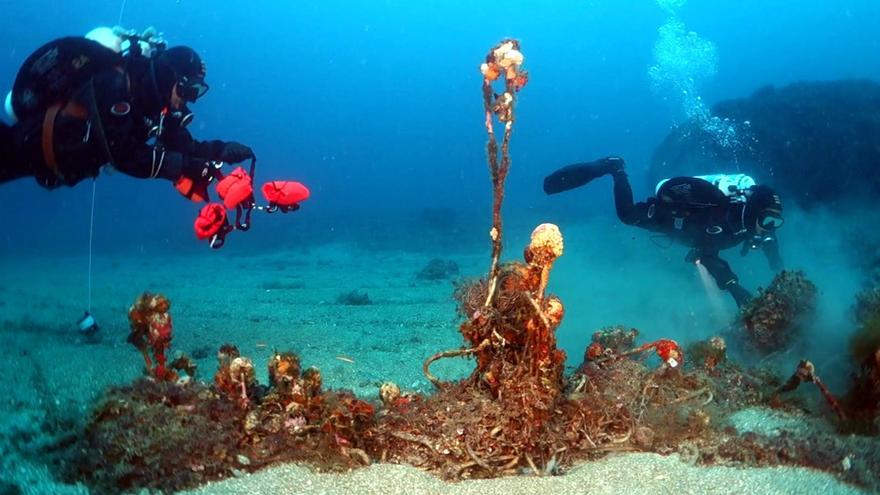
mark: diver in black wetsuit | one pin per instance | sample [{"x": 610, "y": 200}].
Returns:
[
  {"x": 128, "y": 111},
  {"x": 693, "y": 212}
]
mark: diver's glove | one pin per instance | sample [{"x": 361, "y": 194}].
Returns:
[
  {"x": 199, "y": 170},
  {"x": 234, "y": 152},
  {"x": 196, "y": 174}
]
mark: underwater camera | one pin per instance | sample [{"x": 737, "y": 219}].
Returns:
[{"x": 87, "y": 325}]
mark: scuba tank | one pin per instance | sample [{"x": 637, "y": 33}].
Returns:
[
  {"x": 733, "y": 186},
  {"x": 53, "y": 71},
  {"x": 107, "y": 37},
  {"x": 128, "y": 41},
  {"x": 63, "y": 65}
]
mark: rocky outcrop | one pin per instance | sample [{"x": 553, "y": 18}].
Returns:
[{"x": 817, "y": 142}]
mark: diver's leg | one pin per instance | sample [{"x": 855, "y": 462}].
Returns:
[
  {"x": 578, "y": 174},
  {"x": 724, "y": 277},
  {"x": 623, "y": 199},
  {"x": 12, "y": 164}
]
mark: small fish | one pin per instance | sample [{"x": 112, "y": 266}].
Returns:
[{"x": 345, "y": 358}]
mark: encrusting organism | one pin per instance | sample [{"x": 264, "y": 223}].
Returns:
[
  {"x": 774, "y": 318},
  {"x": 806, "y": 373},
  {"x": 667, "y": 350},
  {"x": 503, "y": 61},
  {"x": 150, "y": 331},
  {"x": 708, "y": 353},
  {"x": 235, "y": 377},
  {"x": 863, "y": 399},
  {"x": 617, "y": 338}
]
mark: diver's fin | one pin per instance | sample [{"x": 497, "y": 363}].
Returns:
[{"x": 578, "y": 174}]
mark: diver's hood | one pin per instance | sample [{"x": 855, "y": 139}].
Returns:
[
  {"x": 179, "y": 65},
  {"x": 760, "y": 201}
]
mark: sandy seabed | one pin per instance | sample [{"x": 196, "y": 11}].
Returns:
[
  {"x": 288, "y": 301},
  {"x": 629, "y": 473}
]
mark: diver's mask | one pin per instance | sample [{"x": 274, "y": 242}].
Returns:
[
  {"x": 768, "y": 221},
  {"x": 192, "y": 88}
]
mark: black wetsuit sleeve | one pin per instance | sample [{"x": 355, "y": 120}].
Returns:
[
  {"x": 178, "y": 155},
  {"x": 180, "y": 140},
  {"x": 181, "y": 156},
  {"x": 147, "y": 162}
]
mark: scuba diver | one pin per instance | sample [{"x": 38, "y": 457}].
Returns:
[
  {"x": 707, "y": 214},
  {"x": 79, "y": 103}
]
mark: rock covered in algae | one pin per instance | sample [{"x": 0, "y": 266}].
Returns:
[
  {"x": 866, "y": 340},
  {"x": 617, "y": 338},
  {"x": 708, "y": 353},
  {"x": 776, "y": 316},
  {"x": 826, "y": 127},
  {"x": 438, "y": 269},
  {"x": 864, "y": 396}
]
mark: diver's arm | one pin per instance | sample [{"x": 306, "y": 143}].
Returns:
[
  {"x": 179, "y": 155},
  {"x": 180, "y": 139},
  {"x": 770, "y": 246},
  {"x": 149, "y": 162}
]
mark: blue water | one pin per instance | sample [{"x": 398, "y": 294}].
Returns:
[{"x": 376, "y": 106}]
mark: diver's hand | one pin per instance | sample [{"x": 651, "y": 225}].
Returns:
[
  {"x": 234, "y": 152},
  {"x": 198, "y": 169}
]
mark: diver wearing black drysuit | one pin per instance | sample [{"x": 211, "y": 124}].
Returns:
[
  {"x": 692, "y": 212},
  {"x": 128, "y": 111}
]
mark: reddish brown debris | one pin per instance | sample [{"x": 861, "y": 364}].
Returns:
[
  {"x": 806, "y": 372},
  {"x": 150, "y": 323}
]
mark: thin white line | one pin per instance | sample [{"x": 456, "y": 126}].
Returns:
[
  {"x": 91, "y": 236},
  {"x": 121, "y": 12}
]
